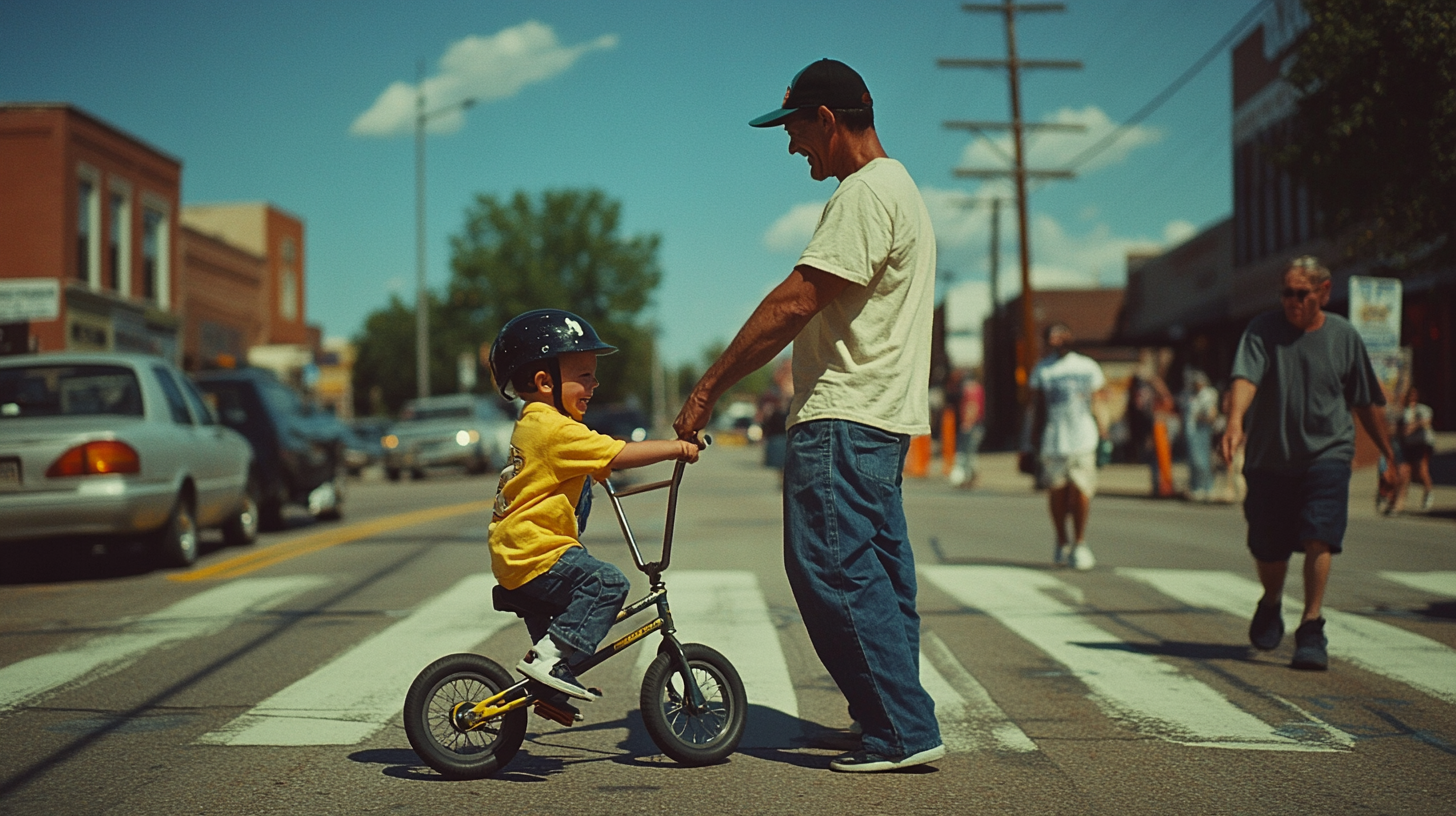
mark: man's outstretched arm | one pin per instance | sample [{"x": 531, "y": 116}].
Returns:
[{"x": 771, "y": 327}]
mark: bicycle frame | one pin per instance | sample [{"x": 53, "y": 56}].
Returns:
[{"x": 510, "y": 699}]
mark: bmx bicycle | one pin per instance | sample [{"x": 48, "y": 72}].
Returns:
[{"x": 465, "y": 715}]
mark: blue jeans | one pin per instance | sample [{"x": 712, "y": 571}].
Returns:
[
  {"x": 590, "y": 593},
  {"x": 1200, "y": 458},
  {"x": 848, "y": 557}
]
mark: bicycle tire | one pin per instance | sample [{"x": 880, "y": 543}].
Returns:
[
  {"x": 428, "y": 721},
  {"x": 694, "y": 738}
]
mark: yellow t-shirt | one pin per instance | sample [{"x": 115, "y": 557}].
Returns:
[{"x": 534, "y": 521}]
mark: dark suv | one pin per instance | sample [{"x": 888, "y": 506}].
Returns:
[{"x": 298, "y": 457}]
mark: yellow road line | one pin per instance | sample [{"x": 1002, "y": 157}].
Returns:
[{"x": 303, "y": 545}]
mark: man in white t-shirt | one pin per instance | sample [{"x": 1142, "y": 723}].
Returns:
[
  {"x": 858, "y": 307},
  {"x": 1064, "y": 434}
]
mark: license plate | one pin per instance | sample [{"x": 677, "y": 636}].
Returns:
[{"x": 9, "y": 473}]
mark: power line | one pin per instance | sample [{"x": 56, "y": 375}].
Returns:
[{"x": 1163, "y": 96}]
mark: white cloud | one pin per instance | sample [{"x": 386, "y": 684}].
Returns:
[
  {"x": 483, "y": 68},
  {"x": 794, "y": 228},
  {"x": 1051, "y": 150},
  {"x": 1178, "y": 231}
]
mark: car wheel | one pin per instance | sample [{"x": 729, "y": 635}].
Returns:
[
  {"x": 417, "y": 474},
  {"x": 270, "y": 514},
  {"x": 392, "y": 474},
  {"x": 242, "y": 529},
  {"x": 176, "y": 542},
  {"x": 326, "y": 503}
]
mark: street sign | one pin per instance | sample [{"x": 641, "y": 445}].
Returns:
[{"x": 33, "y": 299}]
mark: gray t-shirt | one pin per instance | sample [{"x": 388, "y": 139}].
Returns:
[{"x": 1307, "y": 383}]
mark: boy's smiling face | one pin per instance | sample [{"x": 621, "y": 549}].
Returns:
[{"x": 578, "y": 381}]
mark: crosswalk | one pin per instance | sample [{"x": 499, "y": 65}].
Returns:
[{"x": 357, "y": 693}]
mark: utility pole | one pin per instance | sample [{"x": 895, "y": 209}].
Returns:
[{"x": 1027, "y": 347}]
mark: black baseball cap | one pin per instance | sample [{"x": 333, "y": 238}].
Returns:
[{"x": 827, "y": 82}]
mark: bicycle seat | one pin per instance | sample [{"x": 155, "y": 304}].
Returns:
[{"x": 506, "y": 601}]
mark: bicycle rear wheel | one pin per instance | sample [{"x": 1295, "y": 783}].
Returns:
[
  {"x": 429, "y": 717},
  {"x": 690, "y": 735}
]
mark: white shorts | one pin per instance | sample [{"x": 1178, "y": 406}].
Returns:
[{"x": 1080, "y": 469}]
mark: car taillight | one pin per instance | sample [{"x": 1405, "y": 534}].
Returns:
[{"x": 94, "y": 458}]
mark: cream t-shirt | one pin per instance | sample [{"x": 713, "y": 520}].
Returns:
[{"x": 866, "y": 356}]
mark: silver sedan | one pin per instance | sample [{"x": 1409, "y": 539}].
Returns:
[{"x": 118, "y": 445}]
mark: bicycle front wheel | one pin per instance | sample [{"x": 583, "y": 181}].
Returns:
[
  {"x": 689, "y": 734},
  {"x": 431, "y": 725}
]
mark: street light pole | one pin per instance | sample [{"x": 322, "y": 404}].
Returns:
[{"x": 422, "y": 300}]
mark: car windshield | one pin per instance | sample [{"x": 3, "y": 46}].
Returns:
[{"x": 68, "y": 390}]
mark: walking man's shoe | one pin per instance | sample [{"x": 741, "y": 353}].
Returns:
[
  {"x": 1309, "y": 646},
  {"x": 869, "y": 762},
  {"x": 1267, "y": 627}
]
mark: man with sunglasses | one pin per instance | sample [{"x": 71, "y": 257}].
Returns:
[{"x": 1297, "y": 375}]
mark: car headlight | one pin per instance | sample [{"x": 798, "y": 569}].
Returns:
[
  {"x": 390, "y": 442},
  {"x": 464, "y": 438},
  {"x": 639, "y": 434}
]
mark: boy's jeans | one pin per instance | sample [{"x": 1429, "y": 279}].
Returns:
[
  {"x": 848, "y": 557},
  {"x": 592, "y": 593}
]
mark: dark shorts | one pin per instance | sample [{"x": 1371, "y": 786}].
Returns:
[{"x": 1286, "y": 508}]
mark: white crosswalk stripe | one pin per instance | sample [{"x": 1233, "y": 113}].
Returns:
[
  {"x": 357, "y": 693},
  {"x": 198, "y": 616},
  {"x": 1143, "y": 692},
  {"x": 1377, "y": 647},
  {"x": 725, "y": 609},
  {"x": 969, "y": 719},
  {"x": 1436, "y": 582},
  {"x": 353, "y": 696}
]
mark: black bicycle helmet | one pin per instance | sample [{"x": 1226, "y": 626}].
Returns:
[{"x": 536, "y": 336}]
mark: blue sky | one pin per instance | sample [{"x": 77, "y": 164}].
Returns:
[{"x": 647, "y": 101}]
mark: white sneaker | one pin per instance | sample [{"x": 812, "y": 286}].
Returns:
[
  {"x": 1060, "y": 554},
  {"x": 1082, "y": 557},
  {"x": 554, "y": 673},
  {"x": 1428, "y": 502}
]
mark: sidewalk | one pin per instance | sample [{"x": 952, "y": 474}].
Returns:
[{"x": 999, "y": 474}]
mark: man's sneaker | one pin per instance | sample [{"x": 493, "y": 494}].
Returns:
[
  {"x": 869, "y": 762},
  {"x": 1428, "y": 502},
  {"x": 1082, "y": 558},
  {"x": 1309, "y": 646},
  {"x": 1060, "y": 554},
  {"x": 1267, "y": 627},
  {"x": 553, "y": 673}
]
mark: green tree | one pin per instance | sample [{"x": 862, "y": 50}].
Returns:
[
  {"x": 384, "y": 363},
  {"x": 562, "y": 251},
  {"x": 1375, "y": 136}
]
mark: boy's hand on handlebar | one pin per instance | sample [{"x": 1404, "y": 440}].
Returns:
[{"x": 688, "y": 452}]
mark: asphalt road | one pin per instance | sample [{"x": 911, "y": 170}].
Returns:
[{"x": 269, "y": 679}]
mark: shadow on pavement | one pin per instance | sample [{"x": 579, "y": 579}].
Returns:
[{"x": 1175, "y": 648}]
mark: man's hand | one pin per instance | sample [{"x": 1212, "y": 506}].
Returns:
[
  {"x": 1391, "y": 476},
  {"x": 693, "y": 417},
  {"x": 1233, "y": 439}
]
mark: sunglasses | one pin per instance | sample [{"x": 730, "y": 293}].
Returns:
[{"x": 1295, "y": 294}]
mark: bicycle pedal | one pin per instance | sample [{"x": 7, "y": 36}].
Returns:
[{"x": 558, "y": 711}]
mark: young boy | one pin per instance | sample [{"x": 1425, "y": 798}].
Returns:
[{"x": 548, "y": 358}]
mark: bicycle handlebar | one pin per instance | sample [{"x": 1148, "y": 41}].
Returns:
[{"x": 653, "y": 568}]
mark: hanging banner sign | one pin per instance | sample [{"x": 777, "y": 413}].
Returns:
[{"x": 1375, "y": 311}]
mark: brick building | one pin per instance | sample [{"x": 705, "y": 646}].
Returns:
[
  {"x": 96, "y": 253},
  {"x": 95, "y": 209}
]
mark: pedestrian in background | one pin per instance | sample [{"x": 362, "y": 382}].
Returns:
[
  {"x": 1417, "y": 444},
  {"x": 1200, "y": 411},
  {"x": 858, "y": 308},
  {"x": 1298, "y": 374},
  {"x": 1065, "y": 433},
  {"x": 970, "y": 431}
]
